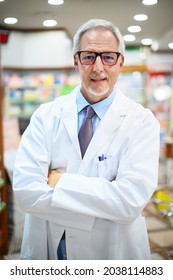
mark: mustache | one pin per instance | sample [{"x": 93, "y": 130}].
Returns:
[{"x": 98, "y": 77}]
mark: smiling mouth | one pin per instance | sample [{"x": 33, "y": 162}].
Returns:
[{"x": 97, "y": 80}]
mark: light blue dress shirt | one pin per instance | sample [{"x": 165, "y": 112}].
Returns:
[{"x": 100, "y": 108}]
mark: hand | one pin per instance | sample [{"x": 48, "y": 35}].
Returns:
[{"x": 53, "y": 178}]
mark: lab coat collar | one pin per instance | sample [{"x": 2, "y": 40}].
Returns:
[{"x": 106, "y": 130}]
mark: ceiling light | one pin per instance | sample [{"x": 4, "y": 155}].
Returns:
[
  {"x": 134, "y": 28},
  {"x": 146, "y": 41},
  {"x": 129, "y": 38},
  {"x": 10, "y": 20},
  {"x": 49, "y": 22},
  {"x": 170, "y": 45},
  {"x": 140, "y": 17},
  {"x": 2, "y": 0},
  {"x": 155, "y": 46},
  {"x": 149, "y": 2},
  {"x": 55, "y": 2}
]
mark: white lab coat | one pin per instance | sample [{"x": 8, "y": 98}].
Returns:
[{"x": 98, "y": 203}]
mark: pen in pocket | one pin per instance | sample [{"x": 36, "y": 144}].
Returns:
[{"x": 101, "y": 158}]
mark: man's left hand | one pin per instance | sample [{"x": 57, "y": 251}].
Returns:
[{"x": 53, "y": 178}]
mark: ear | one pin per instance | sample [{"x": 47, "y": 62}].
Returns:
[
  {"x": 75, "y": 61},
  {"x": 122, "y": 61}
]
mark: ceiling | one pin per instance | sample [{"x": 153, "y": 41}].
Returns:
[{"x": 31, "y": 14}]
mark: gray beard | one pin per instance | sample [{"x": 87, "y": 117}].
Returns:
[{"x": 96, "y": 93}]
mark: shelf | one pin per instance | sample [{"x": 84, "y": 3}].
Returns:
[{"x": 2, "y": 206}]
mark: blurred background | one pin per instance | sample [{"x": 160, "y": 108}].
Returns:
[{"x": 36, "y": 66}]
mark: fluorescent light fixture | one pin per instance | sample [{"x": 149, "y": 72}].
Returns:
[
  {"x": 49, "y": 22},
  {"x": 149, "y": 2},
  {"x": 134, "y": 28},
  {"x": 140, "y": 17},
  {"x": 170, "y": 45},
  {"x": 129, "y": 38},
  {"x": 2, "y": 0},
  {"x": 147, "y": 41},
  {"x": 55, "y": 2},
  {"x": 10, "y": 20}
]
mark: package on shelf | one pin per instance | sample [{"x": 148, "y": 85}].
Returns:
[
  {"x": 14, "y": 80},
  {"x": 31, "y": 95},
  {"x": 31, "y": 81},
  {"x": 48, "y": 80},
  {"x": 15, "y": 94}
]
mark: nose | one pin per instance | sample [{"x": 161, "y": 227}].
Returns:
[{"x": 98, "y": 65}]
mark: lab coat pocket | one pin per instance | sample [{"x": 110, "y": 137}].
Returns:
[{"x": 107, "y": 167}]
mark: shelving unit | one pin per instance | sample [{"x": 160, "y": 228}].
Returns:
[
  {"x": 26, "y": 89},
  {"x": 3, "y": 193}
]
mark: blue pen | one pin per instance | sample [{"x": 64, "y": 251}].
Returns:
[{"x": 102, "y": 157}]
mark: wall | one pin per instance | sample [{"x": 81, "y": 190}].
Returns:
[{"x": 37, "y": 49}]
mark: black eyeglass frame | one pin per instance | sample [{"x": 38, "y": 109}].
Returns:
[{"x": 98, "y": 54}]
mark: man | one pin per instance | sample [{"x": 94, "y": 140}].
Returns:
[{"x": 91, "y": 198}]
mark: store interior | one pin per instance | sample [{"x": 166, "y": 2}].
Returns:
[{"x": 36, "y": 66}]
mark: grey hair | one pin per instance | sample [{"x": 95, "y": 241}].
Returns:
[{"x": 96, "y": 24}]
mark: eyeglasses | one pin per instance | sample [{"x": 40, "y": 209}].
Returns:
[{"x": 107, "y": 58}]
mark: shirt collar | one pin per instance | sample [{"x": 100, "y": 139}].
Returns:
[{"x": 100, "y": 107}]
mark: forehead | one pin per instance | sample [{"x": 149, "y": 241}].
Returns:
[{"x": 99, "y": 39}]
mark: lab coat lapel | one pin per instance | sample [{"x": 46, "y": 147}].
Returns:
[
  {"x": 107, "y": 128},
  {"x": 69, "y": 118}
]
